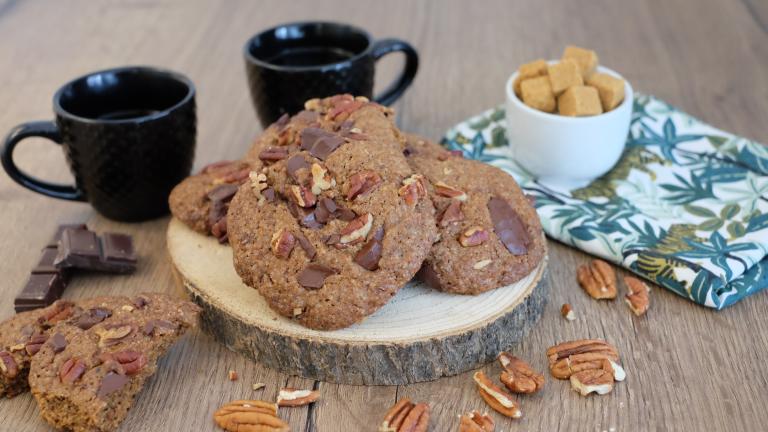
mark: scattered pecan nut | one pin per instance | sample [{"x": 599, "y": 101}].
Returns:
[
  {"x": 35, "y": 343},
  {"x": 473, "y": 236},
  {"x": 451, "y": 214},
  {"x": 113, "y": 334},
  {"x": 568, "y": 358},
  {"x": 250, "y": 415},
  {"x": 61, "y": 311},
  {"x": 405, "y": 416},
  {"x": 8, "y": 365},
  {"x": 476, "y": 422},
  {"x": 272, "y": 154},
  {"x": 414, "y": 188},
  {"x": 290, "y": 397},
  {"x": 598, "y": 380},
  {"x": 495, "y": 397},
  {"x": 567, "y": 312},
  {"x": 518, "y": 376},
  {"x": 637, "y": 298},
  {"x": 598, "y": 279},
  {"x": 127, "y": 362},
  {"x": 321, "y": 179},
  {"x": 362, "y": 183},
  {"x": 258, "y": 184},
  {"x": 282, "y": 243},
  {"x": 357, "y": 230},
  {"x": 72, "y": 370},
  {"x": 303, "y": 197},
  {"x": 447, "y": 191}
]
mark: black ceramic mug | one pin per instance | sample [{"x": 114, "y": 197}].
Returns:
[
  {"x": 291, "y": 63},
  {"x": 129, "y": 138}
]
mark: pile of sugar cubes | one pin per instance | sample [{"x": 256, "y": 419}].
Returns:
[{"x": 571, "y": 87}]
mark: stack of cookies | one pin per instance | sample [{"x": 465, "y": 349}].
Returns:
[{"x": 333, "y": 210}]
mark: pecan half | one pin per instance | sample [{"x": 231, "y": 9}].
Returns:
[
  {"x": 357, "y": 230},
  {"x": 127, "y": 362},
  {"x": 35, "y": 343},
  {"x": 250, "y": 415},
  {"x": 495, "y": 397},
  {"x": 113, "y": 334},
  {"x": 302, "y": 196},
  {"x": 341, "y": 111},
  {"x": 282, "y": 243},
  {"x": 637, "y": 298},
  {"x": 567, "y": 358},
  {"x": 598, "y": 279},
  {"x": 8, "y": 365},
  {"x": 72, "y": 370},
  {"x": 405, "y": 416},
  {"x": 567, "y": 312},
  {"x": 362, "y": 183},
  {"x": 476, "y": 422},
  {"x": 272, "y": 154},
  {"x": 518, "y": 376},
  {"x": 598, "y": 380},
  {"x": 291, "y": 397},
  {"x": 61, "y": 311},
  {"x": 451, "y": 214},
  {"x": 447, "y": 191},
  {"x": 473, "y": 236},
  {"x": 321, "y": 179},
  {"x": 414, "y": 188}
]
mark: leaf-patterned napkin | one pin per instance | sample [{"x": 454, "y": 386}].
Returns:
[{"x": 686, "y": 206}]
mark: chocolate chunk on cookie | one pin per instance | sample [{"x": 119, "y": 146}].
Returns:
[
  {"x": 21, "y": 337},
  {"x": 339, "y": 240},
  {"x": 87, "y": 374},
  {"x": 490, "y": 235}
]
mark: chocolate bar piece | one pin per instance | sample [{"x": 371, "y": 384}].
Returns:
[
  {"x": 83, "y": 249},
  {"x": 41, "y": 290},
  {"x": 54, "y": 243}
]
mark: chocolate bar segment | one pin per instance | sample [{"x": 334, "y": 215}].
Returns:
[
  {"x": 41, "y": 290},
  {"x": 83, "y": 249}
]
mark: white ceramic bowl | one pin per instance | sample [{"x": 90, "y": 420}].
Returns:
[{"x": 567, "y": 152}]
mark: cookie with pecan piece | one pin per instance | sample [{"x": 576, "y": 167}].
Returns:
[
  {"x": 357, "y": 241},
  {"x": 86, "y": 376},
  {"x": 490, "y": 235}
]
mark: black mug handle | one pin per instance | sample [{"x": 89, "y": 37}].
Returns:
[
  {"x": 44, "y": 129},
  {"x": 386, "y": 46}
]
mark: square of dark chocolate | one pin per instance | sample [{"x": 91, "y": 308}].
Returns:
[
  {"x": 41, "y": 290},
  {"x": 118, "y": 247},
  {"x": 54, "y": 243},
  {"x": 46, "y": 262}
]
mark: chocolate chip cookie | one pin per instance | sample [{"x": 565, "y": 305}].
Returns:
[
  {"x": 87, "y": 373},
  {"x": 201, "y": 200},
  {"x": 21, "y": 337},
  {"x": 490, "y": 235},
  {"x": 336, "y": 222}
]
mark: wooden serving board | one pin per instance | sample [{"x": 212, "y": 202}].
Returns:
[{"x": 420, "y": 335}]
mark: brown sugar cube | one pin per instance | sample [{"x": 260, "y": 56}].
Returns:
[
  {"x": 529, "y": 70},
  {"x": 537, "y": 93},
  {"x": 610, "y": 88},
  {"x": 586, "y": 59},
  {"x": 564, "y": 75},
  {"x": 579, "y": 101}
]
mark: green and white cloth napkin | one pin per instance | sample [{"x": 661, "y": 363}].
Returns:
[{"x": 686, "y": 206}]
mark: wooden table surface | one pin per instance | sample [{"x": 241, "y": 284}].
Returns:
[{"x": 689, "y": 368}]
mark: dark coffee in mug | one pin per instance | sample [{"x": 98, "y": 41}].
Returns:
[
  {"x": 289, "y": 64},
  {"x": 129, "y": 138}
]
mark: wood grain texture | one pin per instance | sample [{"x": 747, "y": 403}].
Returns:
[{"x": 689, "y": 368}]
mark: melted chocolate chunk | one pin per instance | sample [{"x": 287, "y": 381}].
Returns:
[
  {"x": 310, "y": 135},
  {"x": 283, "y": 120},
  {"x": 223, "y": 192},
  {"x": 508, "y": 226},
  {"x": 313, "y": 276},
  {"x": 369, "y": 255},
  {"x": 91, "y": 317},
  {"x": 294, "y": 164},
  {"x": 58, "y": 343},
  {"x": 111, "y": 383},
  {"x": 306, "y": 245},
  {"x": 308, "y": 116},
  {"x": 269, "y": 194},
  {"x": 428, "y": 276},
  {"x": 220, "y": 198},
  {"x": 320, "y": 143}
]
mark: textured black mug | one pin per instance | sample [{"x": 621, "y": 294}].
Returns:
[
  {"x": 128, "y": 135},
  {"x": 290, "y": 63}
]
